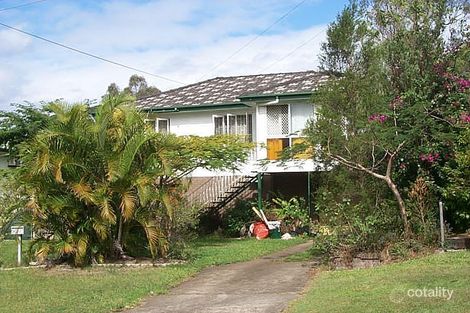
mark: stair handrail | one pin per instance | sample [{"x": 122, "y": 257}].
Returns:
[{"x": 214, "y": 188}]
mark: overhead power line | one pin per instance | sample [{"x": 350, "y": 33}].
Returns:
[
  {"x": 21, "y": 5},
  {"x": 293, "y": 51},
  {"x": 90, "y": 54},
  {"x": 249, "y": 42}
]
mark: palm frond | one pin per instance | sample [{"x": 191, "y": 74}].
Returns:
[
  {"x": 43, "y": 251},
  {"x": 128, "y": 155},
  {"x": 64, "y": 247},
  {"x": 101, "y": 230},
  {"x": 106, "y": 211},
  {"x": 158, "y": 242},
  {"x": 58, "y": 172},
  {"x": 128, "y": 204},
  {"x": 82, "y": 191},
  {"x": 82, "y": 246},
  {"x": 167, "y": 202}
]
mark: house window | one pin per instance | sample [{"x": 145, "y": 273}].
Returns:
[
  {"x": 234, "y": 125},
  {"x": 220, "y": 123},
  {"x": 278, "y": 120},
  {"x": 163, "y": 125},
  {"x": 300, "y": 115}
]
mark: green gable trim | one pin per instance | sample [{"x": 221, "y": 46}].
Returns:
[
  {"x": 202, "y": 107},
  {"x": 291, "y": 95}
]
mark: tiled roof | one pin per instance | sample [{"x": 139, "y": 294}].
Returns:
[{"x": 224, "y": 90}]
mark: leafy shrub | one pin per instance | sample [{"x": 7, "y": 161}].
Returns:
[
  {"x": 292, "y": 212},
  {"x": 324, "y": 246},
  {"x": 354, "y": 216},
  {"x": 406, "y": 249},
  {"x": 12, "y": 202},
  {"x": 238, "y": 216},
  {"x": 184, "y": 228},
  {"x": 422, "y": 205}
]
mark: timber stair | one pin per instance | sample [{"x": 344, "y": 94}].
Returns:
[
  {"x": 234, "y": 191},
  {"x": 219, "y": 192}
]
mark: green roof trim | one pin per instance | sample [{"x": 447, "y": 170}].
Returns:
[
  {"x": 201, "y": 107},
  {"x": 257, "y": 97}
]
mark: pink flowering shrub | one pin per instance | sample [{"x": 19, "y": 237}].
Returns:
[
  {"x": 465, "y": 118},
  {"x": 379, "y": 118},
  {"x": 463, "y": 83},
  {"x": 429, "y": 157}
]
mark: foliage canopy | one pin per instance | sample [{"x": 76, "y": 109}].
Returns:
[
  {"x": 94, "y": 182},
  {"x": 399, "y": 94}
]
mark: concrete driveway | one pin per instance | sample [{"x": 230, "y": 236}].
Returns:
[{"x": 266, "y": 285}]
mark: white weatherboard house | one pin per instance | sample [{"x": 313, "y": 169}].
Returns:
[{"x": 269, "y": 109}]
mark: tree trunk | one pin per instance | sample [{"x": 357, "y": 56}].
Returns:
[
  {"x": 401, "y": 205},
  {"x": 118, "y": 249},
  {"x": 119, "y": 234}
]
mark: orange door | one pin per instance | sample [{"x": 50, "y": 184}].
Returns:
[{"x": 275, "y": 147}]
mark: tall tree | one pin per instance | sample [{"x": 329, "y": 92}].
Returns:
[
  {"x": 344, "y": 37},
  {"x": 113, "y": 90},
  {"x": 137, "y": 87},
  {"x": 20, "y": 124},
  {"x": 385, "y": 115}
]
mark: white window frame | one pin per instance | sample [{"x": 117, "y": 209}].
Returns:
[
  {"x": 157, "y": 124},
  {"x": 289, "y": 120},
  {"x": 297, "y": 134},
  {"x": 289, "y": 126},
  {"x": 224, "y": 130},
  {"x": 226, "y": 118}
]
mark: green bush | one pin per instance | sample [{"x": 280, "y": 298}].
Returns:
[
  {"x": 292, "y": 213},
  {"x": 355, "y": 216},
  {"x": 12, "y": 203},
  {"x": 238, "y": 216},
  {"x": 184, "y": 229},
  {"x": 324, "y": 246},
  {"x": 406, "y": 249}
]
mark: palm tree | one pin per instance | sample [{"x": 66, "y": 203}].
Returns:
[
  {"x": 90, "y": 176},
  {"x": 91, "y": 180}
]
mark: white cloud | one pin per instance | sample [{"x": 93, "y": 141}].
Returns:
[
  {"x": 167, "y": 38},
  {"x": 12, "y": 42}
]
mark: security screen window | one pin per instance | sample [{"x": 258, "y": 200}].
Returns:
[{"x": 278, "y": 120}]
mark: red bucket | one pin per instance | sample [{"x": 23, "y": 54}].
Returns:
[{"x": 260, "y": 230}]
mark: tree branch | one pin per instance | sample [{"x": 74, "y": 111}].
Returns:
[
  {"x": 355, "y": 165},
  {"x": 390, "y": 160}
]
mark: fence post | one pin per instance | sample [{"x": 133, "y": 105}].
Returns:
[
  {"x": 441, "y": 220},
  {"x": 19, "y": 240}
]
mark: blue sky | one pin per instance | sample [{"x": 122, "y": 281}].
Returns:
[{"x": 182, "y": 40}]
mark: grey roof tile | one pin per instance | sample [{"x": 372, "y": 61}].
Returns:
[{"x": 222, "y": 90}]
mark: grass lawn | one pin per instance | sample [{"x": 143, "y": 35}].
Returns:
[
  {"x": 107, "y": 289},
  {"x": 8, "y": 253},
  {"x": 386, "y": 288}
]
